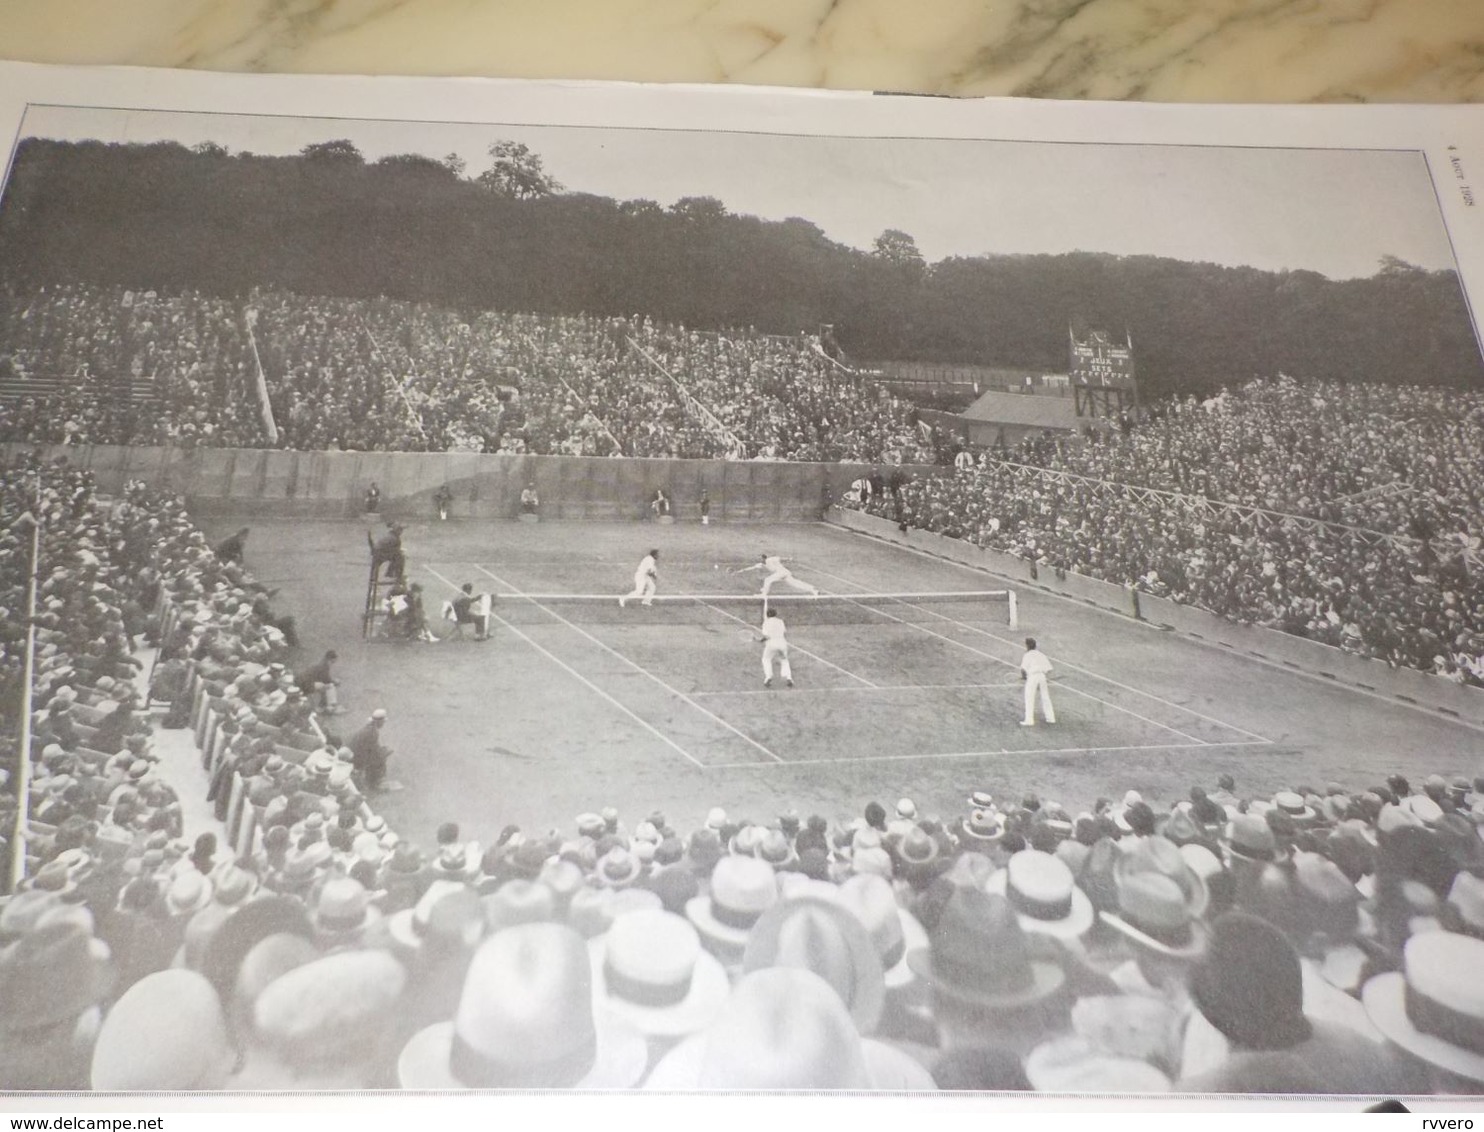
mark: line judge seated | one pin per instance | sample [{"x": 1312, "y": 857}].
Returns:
[
  {"x": 659, "y": 506},
  {"x": 530, "y": 503}
]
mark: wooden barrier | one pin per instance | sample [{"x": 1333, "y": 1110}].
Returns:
[
  {"x": 326, "y": 485},
  {"x": 1421, "y": 689}
]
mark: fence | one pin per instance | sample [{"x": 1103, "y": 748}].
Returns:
[
  {"x": 484, "y": 486},
  {"x": 1421, "y": 689}
]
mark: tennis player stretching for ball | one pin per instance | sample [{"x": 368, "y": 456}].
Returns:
[
  {"x": 644, "y": 580},
  {"x": 778, "y": 572}
]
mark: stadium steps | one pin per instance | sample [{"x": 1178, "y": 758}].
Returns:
[
  {"x": 180, "y": 764},
  {"x": 139, "y": 391}
]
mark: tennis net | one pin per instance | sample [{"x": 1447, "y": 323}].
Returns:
[{"x": 998, "y": 607}]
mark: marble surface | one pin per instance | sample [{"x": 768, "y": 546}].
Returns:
[{"x": 1159, "y": 50}]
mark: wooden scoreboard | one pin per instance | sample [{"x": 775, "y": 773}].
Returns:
[{"x": 1101, "y": 373}]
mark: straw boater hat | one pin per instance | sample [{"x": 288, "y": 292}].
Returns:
[
  {"x": 527, "y": 1020},
  {"x": 985, "y": 827},
  {"x": 1292, "y": 803},
  {"x": 1040, "y": 888},
  {"x": 651, "y": 969},
  {"x": 1434, "y": 1007},
  {"x": 742, "y": 889},
  {"x": 1072, "y": 1065},
  {"x": 785, "y": 1029}
]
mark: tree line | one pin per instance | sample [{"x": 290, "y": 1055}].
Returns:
[{"x": 326, "y": 221}]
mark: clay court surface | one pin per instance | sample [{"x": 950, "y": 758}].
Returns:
[{"x": 574, "y": 706}]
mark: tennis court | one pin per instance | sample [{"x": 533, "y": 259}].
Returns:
[
  {"x": 576, "y": 703},
  {"x": 919, "y": 676}
]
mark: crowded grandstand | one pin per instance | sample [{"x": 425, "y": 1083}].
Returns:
[
  {"x": 1325, "y": 937},
  {"x": 1351, "y": 515},
  {"x": 364, "y": 375}
]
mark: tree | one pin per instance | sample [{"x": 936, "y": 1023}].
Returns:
[
  {"x": 209, "y": 149},
  {"x": 341, "y": 149},
  {"x": 517, "y": 173},
  {"x": 699, "y": 209},
  {"x": 896, "y": 246},
  {"x": 455, "y": 164},
  {"x": 1390, "y": 265},
  {"x": 414, "y": 163},
  {"x": 639, "y": 207}
]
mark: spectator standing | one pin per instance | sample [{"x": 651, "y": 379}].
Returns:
[
  {"x": 230, "y": 549},
  {"x": 370, "y": 755}
]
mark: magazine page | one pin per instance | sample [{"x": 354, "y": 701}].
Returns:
[{"x": 546, "y": 587}]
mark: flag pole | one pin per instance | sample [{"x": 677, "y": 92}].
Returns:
[{"x": 265, "y": 407}]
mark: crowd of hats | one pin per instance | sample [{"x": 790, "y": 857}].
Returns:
[
  {"x": 1319, "y": 939},
  {"x": 1404, "y": 464},
  {"x": 335, "y": 367}
]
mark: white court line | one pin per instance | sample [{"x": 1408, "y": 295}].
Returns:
[
  {"x": 562, "y": 664},
  {"x": 1096, "y": 675},
  {"x": 852, "y": 688},
  {"x": 990, "y": 656},
  {"x": 993, "y": 754},
  {"x": 676, "y": 692},
  {"x": 1088, "y": 671},
  {"x": 793, "y": 647}
]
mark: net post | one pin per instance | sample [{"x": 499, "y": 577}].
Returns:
[{"x": 1014, "y": 609}]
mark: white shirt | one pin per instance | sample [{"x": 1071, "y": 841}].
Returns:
[
  {"x": 1034, "y": 662},
  {"x": 773, "y": 563},
  {"x": 647, "y": 568},
  {"x": 773, "y": 629}
]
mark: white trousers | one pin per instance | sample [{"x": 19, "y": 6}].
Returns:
[
  {"x": 784, "y": 576},
  {"x": 1036, "y": 682},
  {"x": 776, "y": 650},
  {"x": 643, "y": 587}
]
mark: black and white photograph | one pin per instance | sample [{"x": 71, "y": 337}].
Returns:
[{"x": 530, "y": 603}]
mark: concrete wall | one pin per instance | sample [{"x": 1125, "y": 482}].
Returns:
[
  {"x": 1407, "y": 685},
  {"x": 331, "y": 484}
]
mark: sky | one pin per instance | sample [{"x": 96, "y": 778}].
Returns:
[{"x": 1336, "y": 212}]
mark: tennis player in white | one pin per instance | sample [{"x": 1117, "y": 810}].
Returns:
[
  {"x": 644, "y": 580},
  {"x": 1035, "y": 666},
  {"x": 775, "y": 647},
  {"x": 778, "y": 572}
]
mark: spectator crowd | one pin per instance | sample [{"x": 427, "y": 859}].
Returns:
[
  {"x": 375, "y": 374},
  {"x": 1324, "y": 938},
  {"x": 1348, "y": 514}
]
